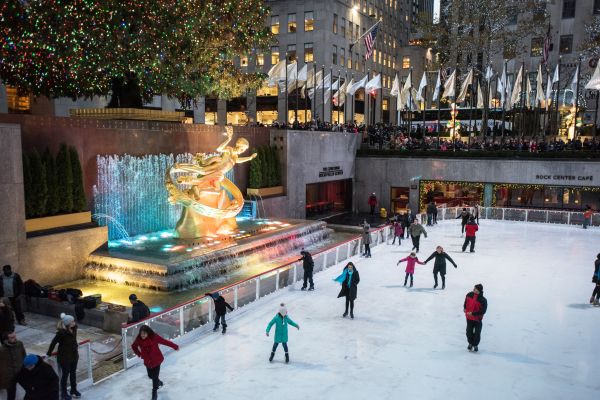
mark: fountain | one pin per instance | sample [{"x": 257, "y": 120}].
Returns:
[{"x": 210, "y": 240}]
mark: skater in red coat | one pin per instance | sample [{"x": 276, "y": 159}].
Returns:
[
  {"x": 470, "y": 230},
  {"x": 474, "y": 307},
  {"x": 411, "y": 260},
  {"x": 146, "y": 347}
]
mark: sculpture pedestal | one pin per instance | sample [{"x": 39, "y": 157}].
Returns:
[{"x": 192, "y": 225}]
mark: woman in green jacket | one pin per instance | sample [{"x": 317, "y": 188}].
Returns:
[{"x": 281, "y": 321}]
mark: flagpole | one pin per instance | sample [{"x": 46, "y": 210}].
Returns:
[
  {"x": 556, "y": 112},
  {"x": 523, "y": 98},
  {"x": 545, "y": 111},
  {"x": 504, "y": 95},
  {"x": 367, "y": 101},
  {"x": 331, "y": 95},
  {"x": 438, "y": 127},
  {"x": 305, "y": 100},
  {"x": 352, "y": 104},
  {"x": 424, "y": 108},
  {"x": 536, "y": 113},
  {"x": 345, "y": 99},
  {"x": 286, "y": 90},
  {"x": 492, "y": 112},
  {"x": 576, "y": 101},
  {"x": 323, "y": 92},
  {"x": 296, "y": 90},
  {"x": 472, "y": 97},
  {"x": 410, "y": 104},
  {"x": 338, "y": 96},
  {"x": 313, "y": 101}
]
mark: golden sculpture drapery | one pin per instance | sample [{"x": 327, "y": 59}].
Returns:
[{"x": 207, "y": 207}]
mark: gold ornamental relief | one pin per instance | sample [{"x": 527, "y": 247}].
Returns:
[{"x": 210, "y": 201}]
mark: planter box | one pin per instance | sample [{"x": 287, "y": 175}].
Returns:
[
  {"x": 57, "y": 221},
  {"x": 128, "y": 113},
  {"x": 265, "y": 192}
]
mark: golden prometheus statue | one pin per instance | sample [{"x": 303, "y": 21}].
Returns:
[{"x": 208, "y": 209}]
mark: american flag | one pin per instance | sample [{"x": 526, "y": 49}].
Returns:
[
  {"x": 370, "y": 40},
  {"x": 547, "y": 47}
]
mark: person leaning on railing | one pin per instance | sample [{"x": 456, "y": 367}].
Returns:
[{"x": 68, "y": 354}]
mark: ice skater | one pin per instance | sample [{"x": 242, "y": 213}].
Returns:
[
  {"x": 398, "y": 233},
  {"x": 68, "y": 354},
  {"x": 349, "y": 280},
  {"x": 410, "y": 218},
  {"x": 281, "y": 321},
  {"x": 587, "y": 216},
  {"x": 474, "y": 308},
  {"x": 411, "y": 260},
  {"x": 308, "y": 265},
  {"x": 366, "y": 239},
  {"x": 470, "y": 230},
  {"x": 146, "y": 347},
  {"x": 439, "y": 265},
  {"x": 595, "y": 299},
  {"x": 430, "y": 212},
  {"x": 221, "y": 307},
  {"x": 476, "y": 213},
  {"x": 38, "y": 379},
  {"x": 372, "y": 203},
  {"x": 465, "y": 215},
  {"x": 415, "y": 231}
]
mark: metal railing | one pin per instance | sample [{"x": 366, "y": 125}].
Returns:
[
  {"x": 193, "y": 317},
  {"x": 84, "y": 365}
]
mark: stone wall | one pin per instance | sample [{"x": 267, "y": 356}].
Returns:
[{"x": 380, "y": 174}]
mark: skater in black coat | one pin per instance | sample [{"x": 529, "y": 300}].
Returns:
[
  {"x": 68, "y": 354},
  {"x": 139, "y": 310},
  {"x": 38, "y": 379},
  {"x": 596, "y": 293},
  {"x": 221, "y": 307},
  {"x": 465, "y": 215},
  {"x": 349, "y": 280},
  {"x": 439, "y": 265},
  {"x": 308, "y": 265}
]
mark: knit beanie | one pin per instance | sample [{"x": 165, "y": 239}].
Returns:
[
  {"x": 30, "y": 360},
  {"x": 479, "y": 287},
  {"x": 66, "y": 319},
  {"x": 282, "y": 310}
]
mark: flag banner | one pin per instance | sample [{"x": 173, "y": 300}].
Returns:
[
  {"x": 539, "y": 89},
  {"x": 516, "y": 92},
  {"x": 479, "y": 96},
  {"x": 556, "y": 77},
  {"x": 574, "y": 86},
  {"x": 358, "y": 85},
  {"x": 276, "y": 74},
  {"x": 450, "y": 86},
  {"x": 549, "y": 92},
  {"x": 438, "y": 84},
  {"x": 422, "y": 87},
  {"x": 395, "y": 86},
  {"x": 373, "y": 84},
  {"x": 528, "y": 93},
  {"x": 594, "y": 83},
  {"x": 489, "y": 73},
  {"x": 370, "y": 38},
  {"x": 501, "y": 87},
  {"x": 465, "y": 87}
]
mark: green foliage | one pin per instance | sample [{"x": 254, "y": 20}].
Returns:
[
  {"x": 255, "y": 178},
  {"x": 276, "y": 168},
  {"x": 27, "y": 183},
  {"x": 39, "y": 190},
  {"x": 52, "y": 205},
  {"x": 64, "y": 175},
  {"x": 79, "y": 202},
  {"x": 264, "y": 166},
  {"x": 264, "y": 169}
]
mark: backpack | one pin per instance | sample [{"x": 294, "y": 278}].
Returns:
[{"x": 33, "y": 289}]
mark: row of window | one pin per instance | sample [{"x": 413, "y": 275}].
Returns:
[
  {"x": 565, "y": 45},
  {"x": 568, "y": 9},
  {"x": 292, "y": 26}
]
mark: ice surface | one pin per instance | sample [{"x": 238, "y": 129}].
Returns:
[{"x": 539, "y": 341}]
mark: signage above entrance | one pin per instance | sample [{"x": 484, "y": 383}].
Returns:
[
  {"x": 588, "y": 178},
  {"x": 331, "y": 171}
]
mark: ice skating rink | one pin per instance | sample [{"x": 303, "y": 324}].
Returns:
[{"x": 540, "y": 339}]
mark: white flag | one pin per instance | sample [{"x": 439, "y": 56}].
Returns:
[
  {"x": 292, "y": 76},
  {"x": 373, "y": 84},
  {"x": 594, "y": 83},
  {"x": 508, "y": 91},
  {"x": 340, "y": 95},
  {"x": 489, "y": 73},
  {"x": 395, "y": 86},
  {"x": 549, "y": 92},
  {"x": 358, "y": 85},
  {"x": 310, "y": 78},
  {"x": 330, "y": 88},
  {"x": 300, "y": 79},
  {"x": 449, "y": 86},
  {"x": 528, "y": 93},
  {"x": 539, "y": 90},
  {"x": 479, "y": 96},
  {"x": 556, "y": 77},
  {"x": 501, "y": 87},
  {"x": 438, "y": 84},
  {"x": 349, "y": 85},
  {"x": 516, "y": 93},
  {"x": 420, "y": 96},
  {"x": 276, "y": 74},
  {"x": 465, "y": 87},
  {"x": 574, "y": 86}
]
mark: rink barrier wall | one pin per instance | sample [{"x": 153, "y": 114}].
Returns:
[{"x": 192, "y": 319}]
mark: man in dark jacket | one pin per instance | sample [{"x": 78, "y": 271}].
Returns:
[
  {"x": 11, "y": 286},
  {"x": 139, "y": 310},
  {"x": 38, "y": 379},
  {"x": 474, "y": 307},
  {"x": 439, "y": 265},
  {"x": 12, "y": 353},
  {"x": 470, "y": 229},
  {"x": 415, "y": 231},
  {"x": 465, "y": 215},
  {"x": 308, "y": 265},
  {"x": 372, "y": 203},
  {"x": 596, "y": 293},
  {"x": 221, "y": 307},
  {"x": 430, "y": 211}
]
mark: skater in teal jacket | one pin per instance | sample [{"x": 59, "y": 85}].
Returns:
[{"x": 281, "y": 321}]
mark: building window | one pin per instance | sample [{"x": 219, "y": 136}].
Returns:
[
  {"x": 291, "y": 52},
  {"x": 568, "y": 10},
  {"x": 343, "y": 26},
  {"x": 334, "y": 55},
  {"x": 537, "y": 45},
  {"x": 308, "y": 53},
  {"x": 350, "y": 30},
  {"x": 566, "y": 44},
  {"x": 349, "y": 64},
  {"x": 291, "y": 23},
  {"x": 357, "y": 32},
  {"x": 596, "y": 7},
  {"x": 335, "y": 23},
  {"x": 260, "y": 59},
  {"x": 275, "y": 24},
  {"x": 406, "y": 62},
  {"x": 274, "y": 55},
  {"x": 309, "y": 21},
  {"x": 342, "y": 56},
  {"x": 244, "y": 61},
  {"x": 385, "y": 104}
]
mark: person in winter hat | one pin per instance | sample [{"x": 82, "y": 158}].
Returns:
[
  {"x": 476, "y": 213},
  {"x": 68, "y": 354},
  {"x": 465, "y": 216},
  {"x": 38, "y": 379},
  {"x": 474, "y": 307},
  {"x": 372, "y": 202},
  {"x": 415, "y": 231},
  {"x": 470, "y": 230},
  {"x": 146, "y": 347},
  {"x": 366, "y": 239},
  {"x": 308, "y": 265},
  {"x": 439, "y": 266},
  {"x": 349, "y": 280},
  {"x": 139, "y": 310},
  {"x": 411, "y": 260},
  {"x": 12, "y": 353},
  {"x": 281, "y": 321},
  {"x": 11, "y": 286},
  {"x": 398, "y": 233},
  {"x": 221, "y": 307},
  {"x": 595, "y": 299}
]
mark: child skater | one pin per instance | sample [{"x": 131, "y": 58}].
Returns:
[
  {"x": 281, "y": 321},
  {"x": 411, "y": 260}
]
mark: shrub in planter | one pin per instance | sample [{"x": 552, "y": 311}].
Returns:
[
  {"x": 255, "y": 175},
  {"x": 64, "y": 177},
  {"x": 27, "y": 186},
  {"x": 79, "y": 202},
  {"x": 52, "y": 205},
  {"x": 39, "y": 189}
]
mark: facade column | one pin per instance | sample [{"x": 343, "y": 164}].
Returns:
[
  {"x": 281, "y": 117},
  {"x": 251, "y": 107},
  {"x": 167, "y": 104},
  {"x": 378, "y": 102},
  {"x": 3, "y": 100},
  {"x": 221, "y": 112},
  {"x": 199, "y": 110},
  {"x": 488, "y": 194}
]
